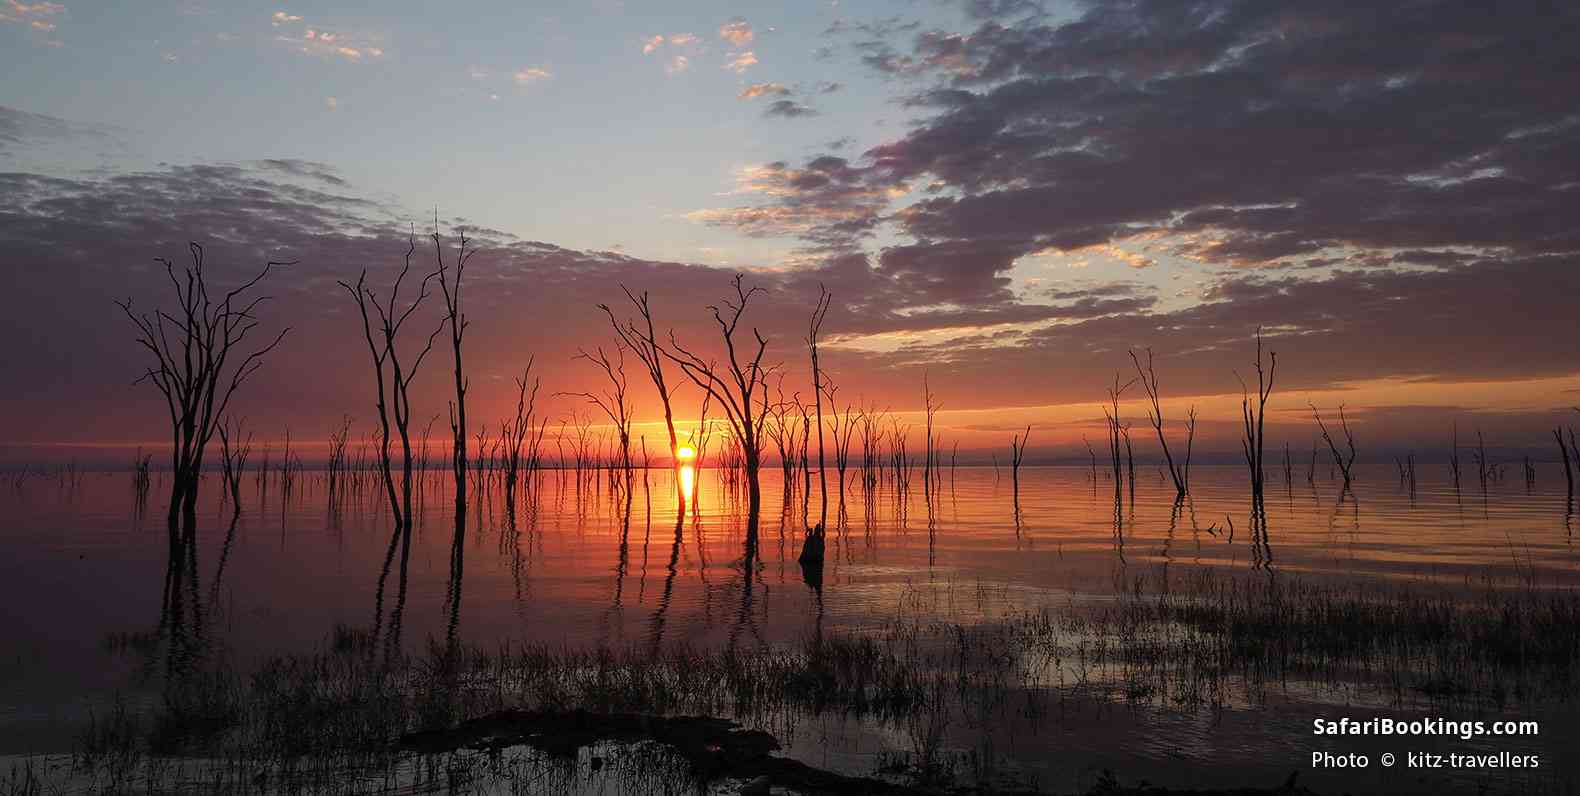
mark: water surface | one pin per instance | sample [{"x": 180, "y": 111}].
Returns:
[{"x": 84, "y": 570}]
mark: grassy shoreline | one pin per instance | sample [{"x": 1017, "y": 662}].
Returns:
[{"x": 341, "y": 719}]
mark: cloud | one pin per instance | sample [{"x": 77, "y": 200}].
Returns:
[
  {"x": 788, "y": 109},
  {"x": 677, "y": 64},
  {"x": 1227, "y": 134},
  {"x": 687, "y": 41},
  {"x": 1187, "y": 120},
  {"x": 529, "y": 75},
  {"x": 826, "y": 202},
  {"x": 88, "y": 241},
  {"x": 36, "y": 16},
  {"x": 997, "y": 9},
  {"x": 319, "y": 42},
  {"x": 306, "y": 169},
  {"x": 737, "y": 32},
  {"x": 875, "y": 29},
  {"x": 740, "y": 62},
  {"x": 20, "y": 129},
  {"x": 756, "y": 90},
  {"x": 332, "y": 103}
]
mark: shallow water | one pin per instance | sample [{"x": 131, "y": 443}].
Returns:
[{"x": 82, "y": 566}]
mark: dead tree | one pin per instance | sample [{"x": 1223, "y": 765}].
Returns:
[
  {"x": 1344, "y": 461},
  {"x": 1569, "y": 475},
  {"x": 1148, "y": 377},
  {"x": 1017, "y": 452},
  {"x": 516, "y": 431},
  {"x": 843, "y": 428},
  {"x": 196, "y": 367},
  {"x": 1116, "y": 431},
  {"x": 781, "y": 431},
  {"x": 394, "y": 377},
  {"x": 335, "y": 464},
  {"x": 642, "y": 340},
  {"x": 930, "y": 466},
  {"x": 456, "y": 320},
  {"x": 736, "y": 385},
  {"x": 813, "y": 328},
  {"x": 613, "y": 401},
  {"x": 233, "y": 461},
  {"x": 1254, "y": 419},
  {"x": 1453, "y": 457}
]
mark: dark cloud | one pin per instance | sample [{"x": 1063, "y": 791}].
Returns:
[
  {"x": 19, "y": 128},
  {"x": 966, "y": 272},
  {"x": 1491, "y": 320},
  {"x": 1094, "y": 292},
  {"x": 74, "y": 246},
  {"x": 1321, "y": 133},
  {"x": 788, "y": 109},
  {"x": 998, "y": 9},
  {"x": 306, "y": 169},
  {"x": 1280, "y": 131},
  {"x": 827, "y": 202},
  {"x": 878, "y": 28}
]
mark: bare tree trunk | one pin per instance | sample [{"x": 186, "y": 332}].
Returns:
[
  {"x": 813, "y": 329},
  {"x": 193, "y": 369},
  {"x": 1254, "y": 419},
  {"x": 457, "y": 322},
  {"x": 394, "y": 402},
  {"x": 644, "y": 341},
  {"x": 736, "y": 385}
]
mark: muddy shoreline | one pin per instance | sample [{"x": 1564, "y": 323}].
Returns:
[{"x": 720, "y": 750}]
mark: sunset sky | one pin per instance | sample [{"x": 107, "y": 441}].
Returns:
[{"x": 1001, "y": 194}]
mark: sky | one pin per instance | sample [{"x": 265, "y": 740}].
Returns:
[{"x": 1002, "y": 196}]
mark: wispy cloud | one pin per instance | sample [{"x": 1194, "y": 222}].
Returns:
[
  {"x": 37, "y": 16},
  {"x": 738, "y": 32},
  {"x": 677, "y": 65},
  {"x": 529, "y": 75},
  {"x": 756, "y": 90},
  {"x": 316, "y": 41},
  {"x": 741, "y": 62},
  {"x": 652, "y": 43}
]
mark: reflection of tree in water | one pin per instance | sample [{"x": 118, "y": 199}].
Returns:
[
  {"x": 622, "y": 564},
  {"x": 745, "y": 618},
  {"x": 453, "y": 593},
  {"x": 180, "y": 612},
  {"x": 661, "y": 614}
]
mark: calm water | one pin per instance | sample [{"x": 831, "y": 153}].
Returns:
[{"x": 80, "y": 567}]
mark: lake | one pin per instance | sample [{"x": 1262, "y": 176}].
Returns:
[{"x": 83, "y": 571}]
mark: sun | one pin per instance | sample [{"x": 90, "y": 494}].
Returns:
[{"x": 685, "y": 453}]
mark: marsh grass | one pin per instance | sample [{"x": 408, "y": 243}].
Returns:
[{"x": 333, "y": 720}]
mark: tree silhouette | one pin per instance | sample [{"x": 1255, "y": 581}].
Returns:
[
  {"x": 394, "y": 377},
  {"x": 737, "y": 385},
  {"x": 196, "y": 369}
]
